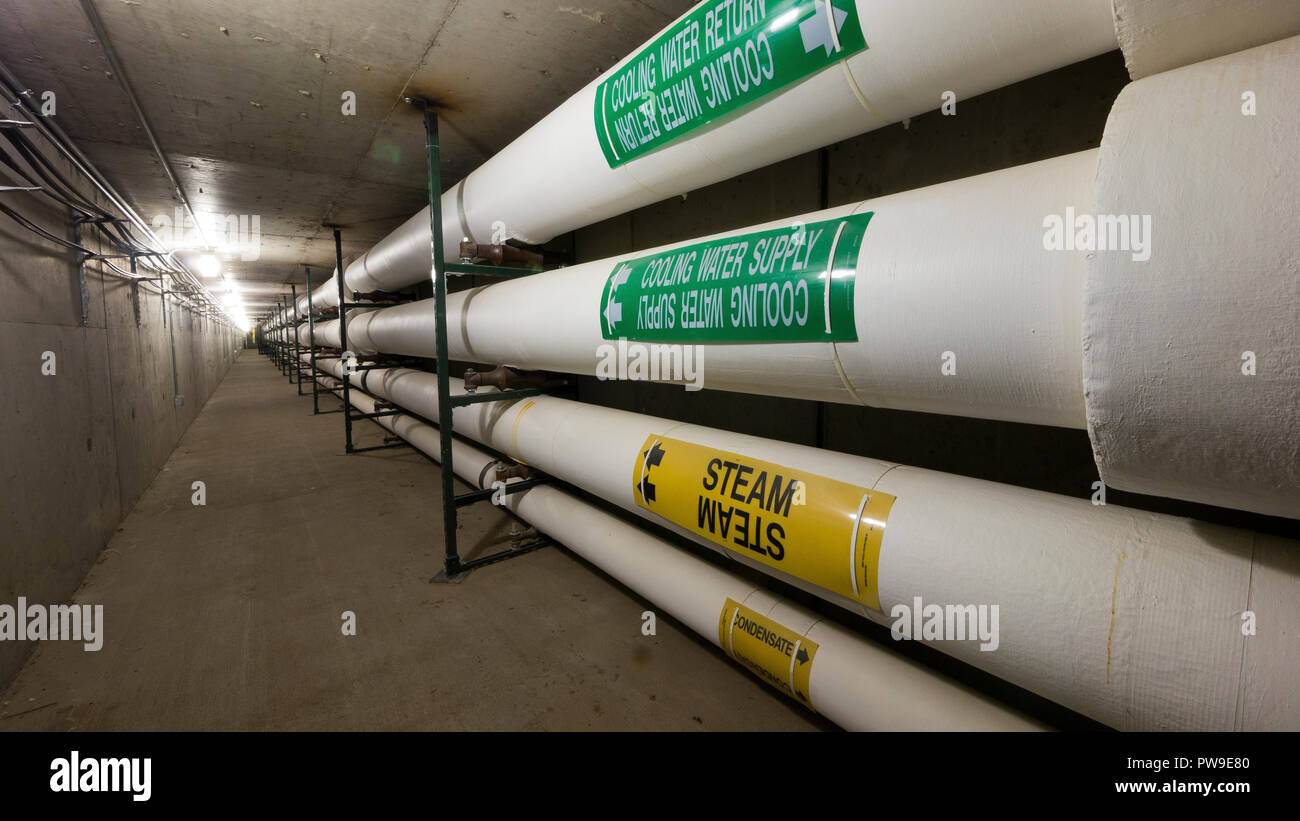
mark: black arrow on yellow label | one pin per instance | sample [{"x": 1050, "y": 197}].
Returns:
[{"x": 651, "y": 458}]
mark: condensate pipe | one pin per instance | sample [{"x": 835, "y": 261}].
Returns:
[
  {"x": 852, "y": 681},
  {"x": 1128, "y": 617}
]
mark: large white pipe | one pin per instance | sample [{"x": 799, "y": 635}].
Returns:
[
  {"x": 1132, "y": 618},
  {"x": 956, "y": 267},
  {"x": 556, "y": 177},
  {"x": 851, "y": 681},
  {"x": 1192, "y": 357},
  {"x": 963, "y": 273},
  {"x": 1160, "y": 36}
]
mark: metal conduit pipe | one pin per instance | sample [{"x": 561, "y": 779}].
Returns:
[
  {"x": 556, "y": 177},
  {"x": 1131, "y": 618},
  {"x": 852, "y": 681}
]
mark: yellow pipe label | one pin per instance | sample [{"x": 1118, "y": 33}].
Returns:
[
  {"x": 823, "y": 531},
  {"x": 768, "y": 649}
]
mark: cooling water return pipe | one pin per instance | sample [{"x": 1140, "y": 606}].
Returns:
[{"x": 734, "y": 86}]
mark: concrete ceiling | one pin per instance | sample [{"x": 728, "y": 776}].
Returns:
[{"x": 245, "y": 97}]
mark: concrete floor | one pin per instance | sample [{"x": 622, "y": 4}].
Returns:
[{"x": 227, "y": 616}]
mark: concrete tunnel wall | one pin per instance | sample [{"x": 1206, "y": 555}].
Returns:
[{"x": 77, "y": 449}]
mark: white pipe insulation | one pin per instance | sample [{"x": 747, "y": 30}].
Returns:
[
  {"x": 1182, "y": 358},
  {"x": 850, "y": 680},
  {"x": 989, "y": 292},
  {"x": 555, "y": 177},
  {"x": 1160, "y": 36},
  {"x": 1132, "y": 618},
  {"x": 1192, "y": 358}
]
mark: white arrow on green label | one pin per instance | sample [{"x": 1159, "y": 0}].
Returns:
[
  {"x": 614, "y": 310},
  {"x": 782, "y": 285},
  {"x": 720, "y": 57},
  {"x": 816, "y": 30}
]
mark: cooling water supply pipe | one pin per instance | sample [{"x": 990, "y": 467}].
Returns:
[
  {"x": 1132, "y": 618},
  {"x": 756, "y": 302},
  {"x": 736, "y": 85},
  {"x": 848, "y": 679}
]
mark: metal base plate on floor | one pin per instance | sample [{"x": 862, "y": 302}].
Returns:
[
  {"x": 470, "y": 566},
  {"x": 443, "y": 578}
]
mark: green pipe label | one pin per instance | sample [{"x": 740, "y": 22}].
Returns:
[
  {"x": 720, "y": 57},
  {"x": 766, "y": 286}
]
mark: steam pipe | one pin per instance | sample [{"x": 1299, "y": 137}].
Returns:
[
  {"x": 853, "y": 682},
  {"x": 1128, "y": 617}
]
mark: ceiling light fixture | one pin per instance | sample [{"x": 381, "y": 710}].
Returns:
[{"x": 208, "y": 265}]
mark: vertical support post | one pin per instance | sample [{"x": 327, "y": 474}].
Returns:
[
  {"x": 343, "y": 340},
  {"x": 276, "y": 339},
  {"x": 297, "y": 348},
  {"x": 275, "y": 335},
  {"x": 311, "y": 346},
  {"x": 451, "y": 566},
  {"x": 284, "y": 338},
  {"x": 280, "y": 331}
]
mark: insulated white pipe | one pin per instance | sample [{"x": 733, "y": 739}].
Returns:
[
  {"x": 1192, "y": 377},
  {"x": 1192, "y": 357},
  {"x": 1132, "y": 618},
  {"x": 555, "y": 177},
  {"x": 852, "y": 681},
  {"x": 986, "y": 289},
  {"x": 1159, "y": 36}
]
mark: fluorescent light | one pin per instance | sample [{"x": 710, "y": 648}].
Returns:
[{"x": 208, "y": 265}]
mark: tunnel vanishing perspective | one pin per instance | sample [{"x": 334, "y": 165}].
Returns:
[{"x": 904, "y": 365}]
